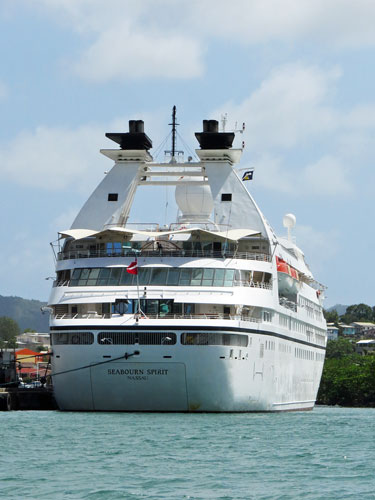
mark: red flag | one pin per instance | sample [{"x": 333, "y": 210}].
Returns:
[{"x": 132, "y": 268}]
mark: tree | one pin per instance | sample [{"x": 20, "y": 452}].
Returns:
[
  {"x": 348, "y": 381},
  {"x": 357, "y": 312},
  {"x": 331, "y": 316},
  {"x": 9, "y": 330},
  {"x": 339, "y": 348}
]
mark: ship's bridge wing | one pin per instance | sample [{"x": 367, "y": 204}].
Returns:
[{"x": 194, "y": 232}]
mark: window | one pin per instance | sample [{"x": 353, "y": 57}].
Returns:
[
  {"x": 189, "y": 308},
  {"x": 93, "y": 276},
  {"x": 103, "y": 276},
  {"x": 213, "y": 338},
  {"x": 83, "y": 278},
  {"x": 219, "y": 277},
  {"x": 144, "y": 274},
  {"x": 173, "y": 275},
  {"x": 196, "y": 277},
  {"x": 226, "y": 197},
  {"x": 114, "y": 248},
  {"x": 123, "y": 306},
  {"x": 184, "y": 277},
  {"x": 229, "y": 275},
  {"x": 142, "y": 338},
  {"x": 115, "y": 276},
  {"x": 127, "y": 278},
  {"x": 208, "y": 275},
  {"x": 72, "y": 338},
  {"x": 159, "y": 276},
  {"x": 165, "y": 307},
  {"x": 112, "y": 196}
]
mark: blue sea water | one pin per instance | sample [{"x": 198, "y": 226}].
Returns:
[{"x": 327, "y": 453}]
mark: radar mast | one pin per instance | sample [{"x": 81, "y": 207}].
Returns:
[{"x": 173, "y": 151}]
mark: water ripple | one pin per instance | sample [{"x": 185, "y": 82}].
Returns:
[{"x": 324, "y": 454}]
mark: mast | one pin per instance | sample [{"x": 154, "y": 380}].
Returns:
[
  {"x": 173, "y": 131},
  {"x": 173, "y": 151}
]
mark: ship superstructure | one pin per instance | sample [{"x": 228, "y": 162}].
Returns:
[{"x": 219, "y": 315}]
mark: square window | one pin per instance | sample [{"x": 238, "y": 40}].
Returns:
[
  {"x": 173, "y": 276},
  {"x": 144, "y": 274},
  {"x": 112, "y": 196},
  {"x": 159, "y": 276},
  {"x": 226, "y": 197},
  {"x": 219, "y": 277},
  {"x": 184, "y": 277},
  {"x": 196, "y": 277},
  {"x": 126, "y": 278}
]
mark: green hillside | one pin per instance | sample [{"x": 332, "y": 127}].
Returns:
[{"x": 26, "y": 312}]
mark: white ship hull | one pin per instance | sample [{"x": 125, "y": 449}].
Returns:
[{"x": 189, "y": 378}]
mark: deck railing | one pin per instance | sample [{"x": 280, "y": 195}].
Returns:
[
  {"x": 91, "y": 254},
  {"x": 94, "y": 315},
  {"x": 251, "y": 284}
]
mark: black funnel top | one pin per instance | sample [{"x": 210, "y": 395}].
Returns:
[
  {"x": 134, "y": 139},
  {"x": 211, "y": 138}
]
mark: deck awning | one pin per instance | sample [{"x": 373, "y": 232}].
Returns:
[
  {"x": 77, "y": 234},
  {"x": 196, "y": 233}
]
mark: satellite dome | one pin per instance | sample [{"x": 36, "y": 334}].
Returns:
[
  {"x": 289, "y": 221},
  {"x": 195, "y": 202}
]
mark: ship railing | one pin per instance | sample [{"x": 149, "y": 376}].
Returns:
[
  {"x": 288, "y": 304},
  {"x": 92, "y": 254},
  {"x": 88, "y": 315},
  {"x": 253, "y": 284},
  {"x": 211, "y": 316}
]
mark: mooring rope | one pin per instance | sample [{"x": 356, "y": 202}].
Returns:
[{"x": 124, "y": 356}]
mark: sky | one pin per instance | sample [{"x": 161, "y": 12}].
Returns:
[{"x": 299, "y": 73}]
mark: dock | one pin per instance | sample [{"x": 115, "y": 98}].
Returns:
[{"x": 15, "y": 398}]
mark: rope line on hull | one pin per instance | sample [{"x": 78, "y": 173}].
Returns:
[{"x": 125, "y": 356}]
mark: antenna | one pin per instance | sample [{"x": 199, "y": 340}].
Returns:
[
  {"x": 174, "y": 124},
  {"x": 236, "y": 129},
  {"x": 173, "y": 130},
  {"x": 224, "y": 119}
]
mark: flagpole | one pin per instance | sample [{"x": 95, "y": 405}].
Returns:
[
  {"x": 139, "y": 300},
  {"x": 133, "y": 269}
]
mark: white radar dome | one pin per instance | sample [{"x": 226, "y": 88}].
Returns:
[
  {"x": 195, "y": 202},
  {"x": 289, "y": 221}
]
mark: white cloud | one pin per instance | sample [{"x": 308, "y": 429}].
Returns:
[
  {"x": 326, "y": 177},
  {"x": 334, "y": 24},
  {"x": 52, "y": 158},
  {"x": 123, "y": 53},
  {"x": 127, "y": 39},
  {"x": 56, "y": 158},
  {"x": 322, "y": 246},
  {"x": 289, "y": 107},
  {"x": 65, "y": 219},
  {"x": 270, "y": 173}
]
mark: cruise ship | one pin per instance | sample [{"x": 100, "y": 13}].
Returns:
[{"x": 210, "y": 313}]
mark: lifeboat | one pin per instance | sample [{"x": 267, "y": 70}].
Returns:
[{"x": 288, "y": 277}]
